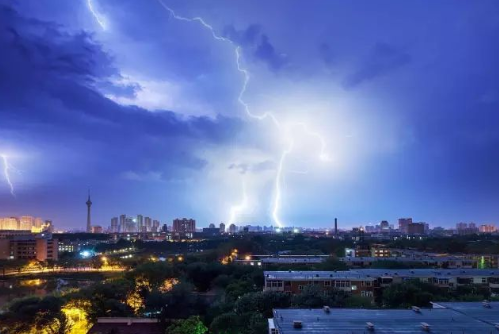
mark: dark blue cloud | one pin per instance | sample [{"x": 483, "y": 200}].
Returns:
[
  {"x": 49, "y": 78},
  {"x": 382, "y": 59},
  {"x": 253, "y": 39}
]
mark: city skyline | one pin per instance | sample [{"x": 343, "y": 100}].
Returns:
[{"x": 227, "y": 110}]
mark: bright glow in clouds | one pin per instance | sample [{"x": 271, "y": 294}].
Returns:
[
  {"x": 6, "y": 172},
  {"x": 278, "y": 191},
  {"x": 98, "y": 17},
  {"x": 241, "y": 207}
]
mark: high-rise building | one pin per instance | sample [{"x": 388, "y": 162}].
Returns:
[
  {"x": 415, "y": 228},
  {"x": 140, "y": 223},
  {"x": 96, "y": 229},
  {"x": 384, "y": 225},
  {"x": 114, "y": 225},
  {"x": 184, "y": 225},
  {"x": 10, "y": 223},
  {"x": 148, "y": 224},
  {"x": 39, "y": 222},
  {"x": 130, "y": 225},
  {"x": 222, "y": 228},
  {"x": 463, "y": 228},
  {"x": 89, "y": 222},
  {"x": 122, "y": 228},
  {"x": 487, "y": 228},
  {"x": 155, "y": 225},
  {"x": 232, "y": 229},
  {"x": 404, "y": 225},
  {"x": 211, "y": 225},
  {"x": 26, "y": 223}
]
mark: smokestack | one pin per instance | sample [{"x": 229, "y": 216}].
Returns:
[{"x": 335, "y": 226}]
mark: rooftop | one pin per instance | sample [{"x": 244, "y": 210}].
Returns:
[
  {"x": 126, "y": 326},
  {"x": 406, "y": 259},
  {"x": 373, "y": 273},
  {"x": 354, "y": 321}
]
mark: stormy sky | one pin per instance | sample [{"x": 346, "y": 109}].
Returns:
[{"x": 365, "y": 111}]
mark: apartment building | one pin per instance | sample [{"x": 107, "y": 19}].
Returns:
[
  {"x": 369, "y": 282},
  {"x": 29, "y": 247}
]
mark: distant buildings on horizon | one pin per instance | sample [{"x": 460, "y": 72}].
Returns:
[{"x": 26, "y": 223}]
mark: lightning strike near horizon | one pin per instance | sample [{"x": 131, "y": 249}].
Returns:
[
  {"x": 323, "y": 156},
  {"x": 6, "y": 171},
  {"x": 100, "y": 20},
  {"x": 235, "y": 209}
]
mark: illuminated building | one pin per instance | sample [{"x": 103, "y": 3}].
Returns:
[
  {"x": 380, "y": 250},
  {"x": 26, "y": 223},
  {"x": 370, "y": 282},
  {"x": 96, "y": 229},
  {"x": 148, "y": 224},
  {"x": 488, "y": 228},
  {"x": 10, "y": 223},
  {"x": 184, "y": 225},
  {"x": 29, "y": 247}
]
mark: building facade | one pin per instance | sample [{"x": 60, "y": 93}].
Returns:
[
  {"x": 184, "y": 225},
  {"x": 370, "y": 282},
  {"x": 28, "y": 247}
]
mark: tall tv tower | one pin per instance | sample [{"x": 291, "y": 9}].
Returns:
[{"x": 89, "y": 221}]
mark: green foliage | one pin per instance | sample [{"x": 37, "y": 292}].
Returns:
[
  {"x": 202, "y": 274},
  {"x": 192, "y": 325},
  {"x": 153, "y": 272},
  {"x": 33, "y": 313},
  {"x": 407, "y": 294},
  {"x": 262, "y": 302}
]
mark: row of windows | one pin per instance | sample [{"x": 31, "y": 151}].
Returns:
[{"x": 337, "y": 284}]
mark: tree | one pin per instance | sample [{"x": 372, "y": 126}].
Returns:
[
  {"x": 191, "y": 325},
  {"x": 407, "y": 294},
  {"x": 226, "y": 323},
  {"x": 262, "y": 302},
  {"x": 41, "y": 315}
]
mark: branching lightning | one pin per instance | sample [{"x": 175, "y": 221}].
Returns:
[
  {"x": 100, "y": 20},
  {"x": 6, "y": 172},
  {"x": 290, "y": 145}
]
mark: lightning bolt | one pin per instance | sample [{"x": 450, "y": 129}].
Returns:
[
  {"x": 235, "y": 209},
  {"x": 6, "y": 172},
  {"x": 267, "y": 115},
  {"x": 100, "y": 20}
]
